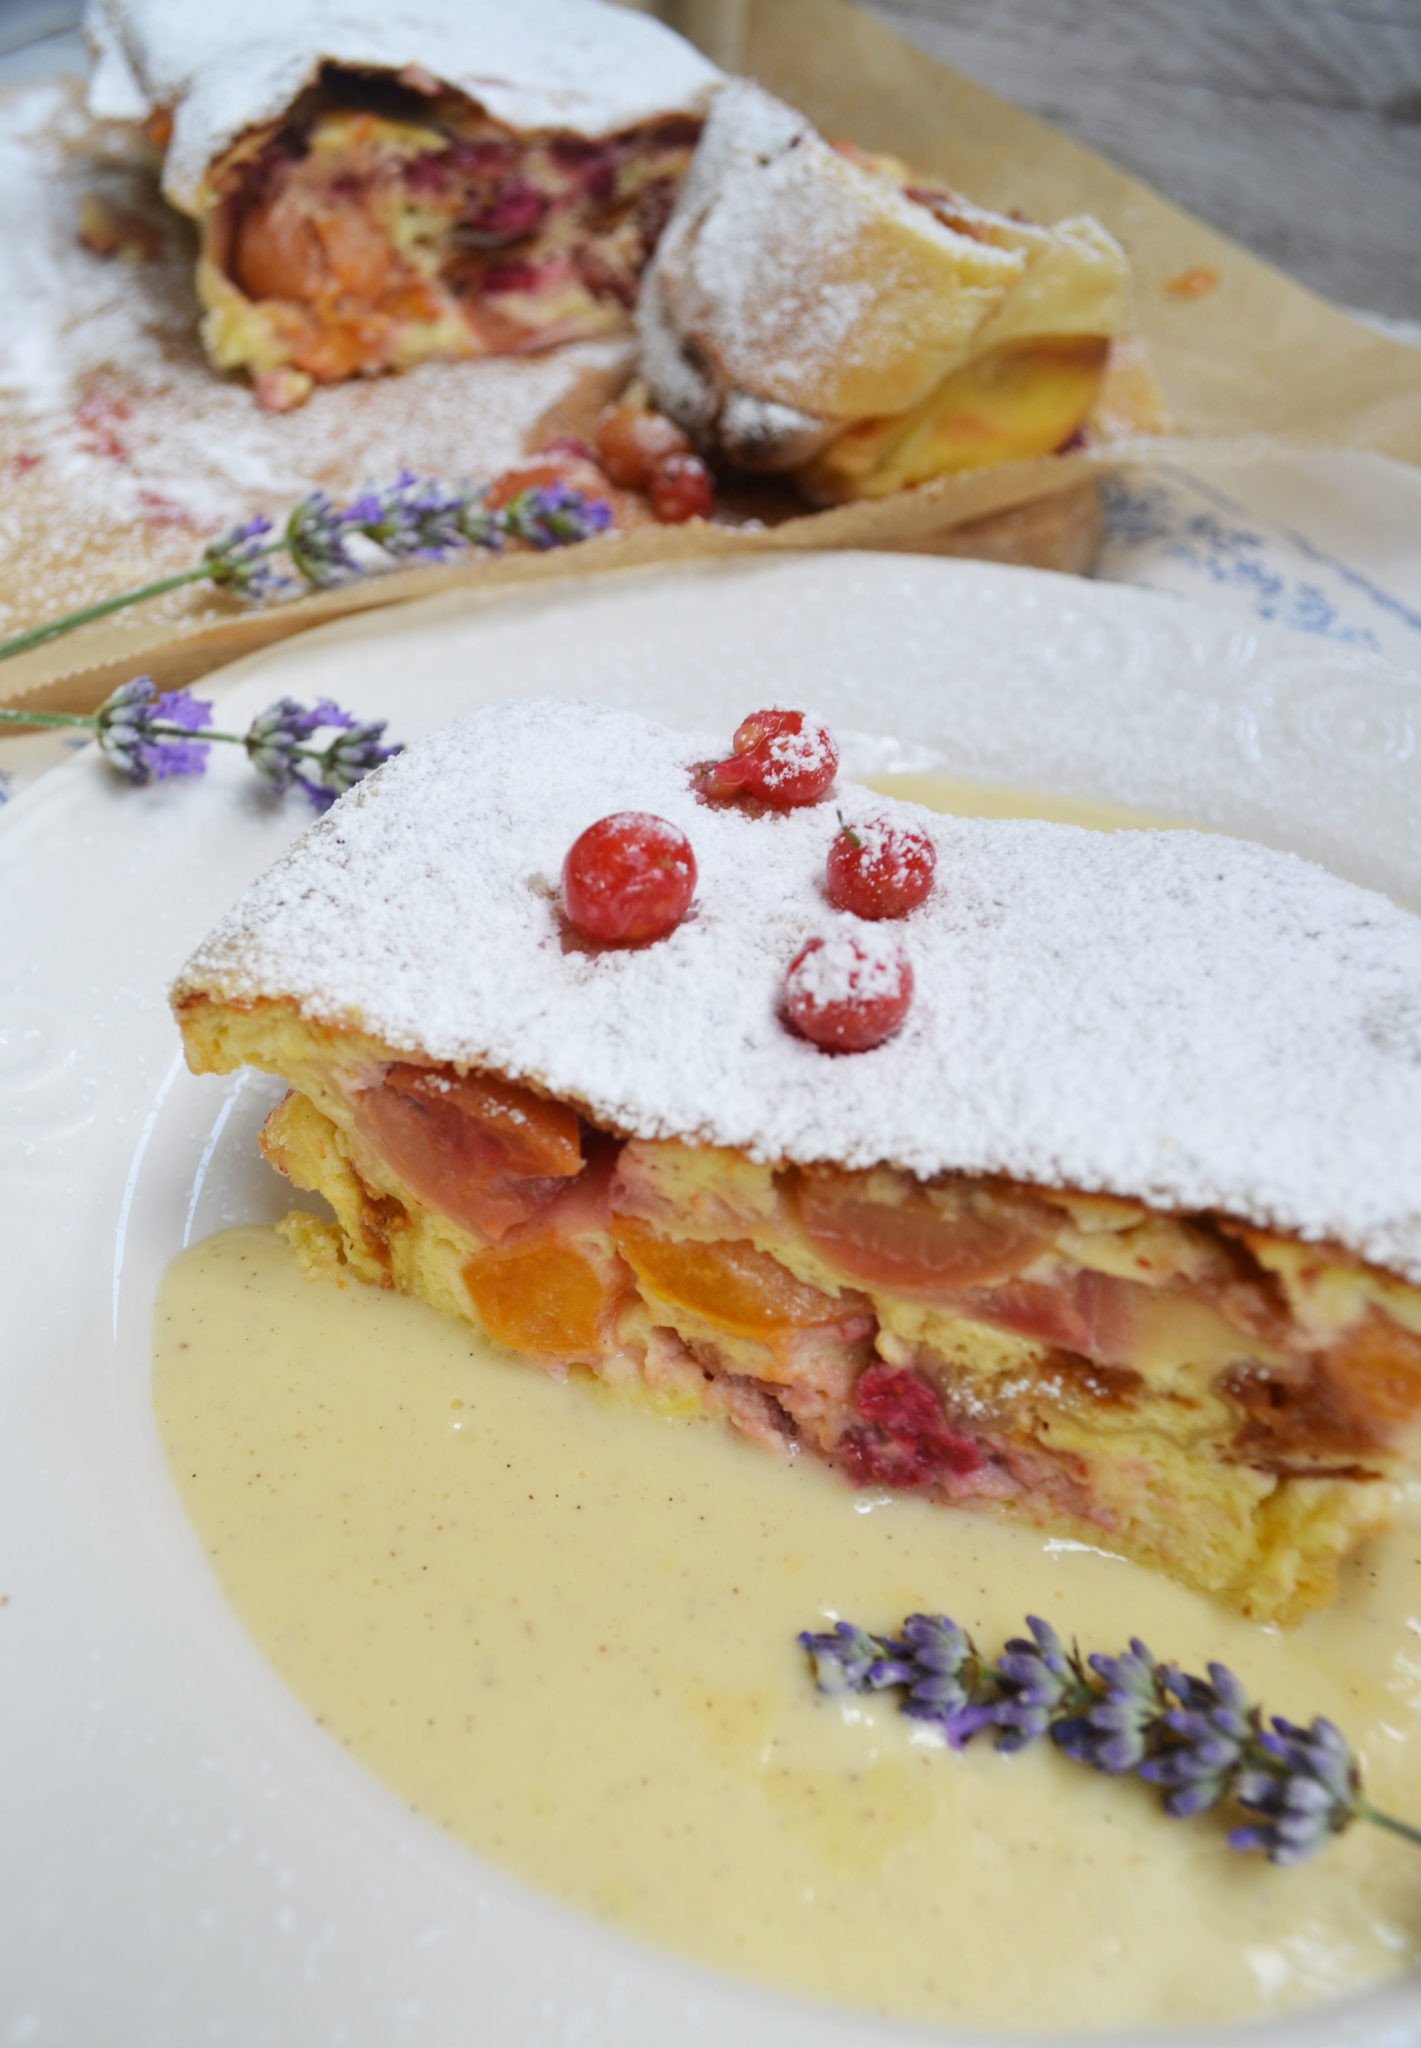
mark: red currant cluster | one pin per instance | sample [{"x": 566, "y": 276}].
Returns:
[
  {"x": 629, "y": 880},
  {"x": 645, "y": 451}
]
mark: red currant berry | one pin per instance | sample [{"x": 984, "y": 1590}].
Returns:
[
  {"x": 849, "y": 992},
  {"x": 628, "y": 879},
  {"x": 784, "y": 758},
  {"x": 681, "y": 489},
  {"x": 878, "y": 869},
  {"x": 631, "y": 441}
]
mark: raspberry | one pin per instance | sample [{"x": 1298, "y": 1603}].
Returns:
[
  {"x": 879, "y": 870},
  {"x": 784, "y": 758},
  {"x": 631, "y": 442},
  {"x": 903, "y": 1438},
  {"x": 628, "y": 879},
  {"x": 681, "y": 489},
  {"x": 849, "y": 992}
]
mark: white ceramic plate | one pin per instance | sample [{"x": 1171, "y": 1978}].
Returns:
[{"x": 188, "y": 1860}]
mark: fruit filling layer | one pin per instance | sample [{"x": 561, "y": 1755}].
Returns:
[
  {"x": 964, "y": 1338},
  {"x": 384, "y": 224}
]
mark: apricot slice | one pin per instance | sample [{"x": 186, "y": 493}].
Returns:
[
  {"x": 729, "y": 1283},
  {"x": 544, "y": 1297},
  {"x": 483, "y": 1151},
  {"x": 308, "y": 247},
  {"x": 967, "y": 1238}
]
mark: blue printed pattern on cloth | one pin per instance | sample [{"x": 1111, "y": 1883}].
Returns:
[{"x": 1169, "y": 530}]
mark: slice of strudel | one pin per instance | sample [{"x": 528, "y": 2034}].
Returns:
[
  {"x": 830, "y": 316},
  {"x": 1115, "y": 1225},
  {"x": 380, "y": 185}
]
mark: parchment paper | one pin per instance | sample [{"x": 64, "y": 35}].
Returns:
[{"x": 1240, "y": 352}]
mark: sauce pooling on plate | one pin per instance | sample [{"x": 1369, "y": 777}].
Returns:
[{"x": 455, "y": 1562}]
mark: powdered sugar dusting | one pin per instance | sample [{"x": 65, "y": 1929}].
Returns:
[
  {"x": 1194, "y": 1021},
  {"x": 856, "y": 964},
  {"x": 762, "y": 266},
  {"x": 791, "y": 755},
  {"x": 578, "y": 65}
]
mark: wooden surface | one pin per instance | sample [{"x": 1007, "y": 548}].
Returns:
[{"x": 1292, "y": 125}]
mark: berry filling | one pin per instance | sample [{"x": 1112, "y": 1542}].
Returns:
[
  {"x": 902, "y": 1438},
  {"x": 382, "y": 226}
]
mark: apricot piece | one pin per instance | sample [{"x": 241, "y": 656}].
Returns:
[
  {"x": 544, "y": 1297},
  {"x": 967, "y": 1237},
  {"x": 482, "y": 1150},
  {"x": 1377, "y": 1366},
  {"x": 729, "y": 1283},
  {"x": 307, "y": 247}
]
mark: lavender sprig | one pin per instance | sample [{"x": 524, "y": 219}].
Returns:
[
  {"x": 145, "y": 734},
  {"x": 412, "y": 519},
  {"x": 554, "y": 516},
  {"x": 1200, "y": 1740}
]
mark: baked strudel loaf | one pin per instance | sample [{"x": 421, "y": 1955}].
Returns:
[
  {"x": 376, "y": 186},
  {"x": 817, "y": 312},
  {"x": 1120, "y": 1232}
]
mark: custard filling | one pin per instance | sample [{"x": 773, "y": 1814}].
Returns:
[{"x": 382, "y": 225}]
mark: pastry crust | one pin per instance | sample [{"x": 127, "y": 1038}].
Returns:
[
  {"x": 801, "y": 290},
  {"x": 1114, "y": 1235}
]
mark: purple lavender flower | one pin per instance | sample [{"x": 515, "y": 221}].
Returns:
[
  {"x": 272, "y": 738},
  {"x": 844, "y": 1658},
  {"x": 1036, "y": 1678},
  {"x": 410, "y": 518},
  {"x": 124, "y": 727},
  {"x": 1115, "y": 1733},
  {"x": 315, "y": 537},
  {"x": 480, "y": 527},
  {"x": 1305, "y": 1786},
  {"x": 554, "y": 515},
  {"x": 1213, "y": 1727},
  {"x": 937, "y": 1665},
  {"x": 276, "y": 747},
  {"x": 350, "y": 758},
  {"x": 240, "y": 560}
]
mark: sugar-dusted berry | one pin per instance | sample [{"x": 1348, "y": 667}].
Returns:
[
  {"x": 785, "y": 758},
  {"x": 628, "y": 879},
  {"x": 850, "y": 991},
  {"x": 681, "y": 489},
  {"x": 877, "y": 869},
  {"x": 632, "y": 441}
]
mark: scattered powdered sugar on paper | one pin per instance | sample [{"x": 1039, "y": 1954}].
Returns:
[
  {"x": 1190, "y": 1020},
  {"x": 120, "y": 446}
]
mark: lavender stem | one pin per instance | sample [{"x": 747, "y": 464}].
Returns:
[
  {"x": 1388, "y": 1821},
  {"x": 36, "y": 636},
  {"x": 49, "y": 718}
]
